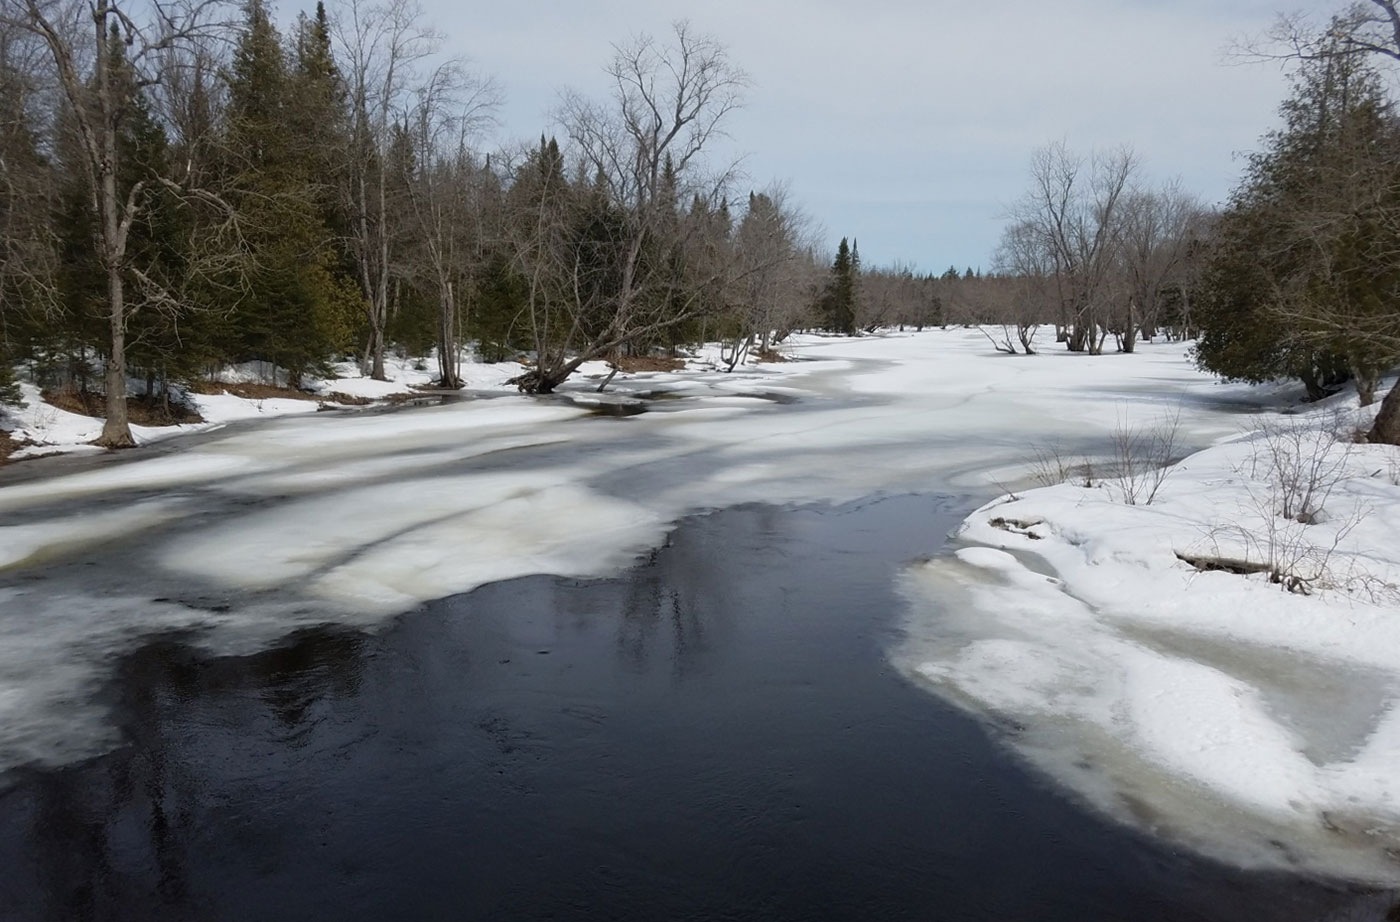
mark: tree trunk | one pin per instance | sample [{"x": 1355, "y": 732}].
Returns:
[
  {"x": 375, "y": 352},
  {"x": 1386, "y": 430},
  {"x": 1366, "y": 389},
  {"x": 377, "y": 342},
  {"x": 1314, "y": 388},
  {"x": 447, "y": 339},
  {"x": 116, "y": 432},
  {"x": 1076, "y": 339}
]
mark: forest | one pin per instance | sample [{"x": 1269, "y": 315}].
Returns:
[{"x": 183, "y": 187}]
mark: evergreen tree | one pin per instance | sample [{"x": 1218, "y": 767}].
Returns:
[
  {"x": 28, "y": 259},
  {"x": 1300, "y": 280},
  {"x": 838, "y": 304},
  {"x": 299, "y": 309}
]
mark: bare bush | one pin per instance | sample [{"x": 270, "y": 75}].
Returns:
[
  {"x": 1049, "y": 467},
  {"x": 1142, "y": 458},
  {"x": 1302, "y": 461},
  {"x": 1292, "y": 553},
  {"x": 1291, "y": 475}
]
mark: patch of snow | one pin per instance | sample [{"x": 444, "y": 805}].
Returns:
[{"x": 1258, "y": 724}]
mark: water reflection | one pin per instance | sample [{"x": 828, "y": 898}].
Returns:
[{"x": 714, "y": 735}]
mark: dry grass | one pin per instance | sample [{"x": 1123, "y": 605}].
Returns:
[
  {"x": 7, "y": 447},
  {"x": 138, "y": 411},
  {"x": 251, "y": 390},
  {"x": 349, "y": 400},
  {"x": 770, "y": 356},
  {"x": 635, "y": 363}
]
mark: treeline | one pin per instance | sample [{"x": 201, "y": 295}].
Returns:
[
  {"x": 1298, "y": 275},
  {"x": 182, "y": 187},
  {"x": 1093, "y": 252}
]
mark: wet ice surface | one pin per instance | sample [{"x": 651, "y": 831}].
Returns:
[
  {"x": 714, "y": 733},
  {"x": 239, "y": 538}
]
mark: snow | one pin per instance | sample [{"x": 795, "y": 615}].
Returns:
[
  {"x": 44, "y": 429},
  {"x": 1252, "y": 723},
  {"x": 226, "y": 408},
  {"x": 1259, "y": 724}
]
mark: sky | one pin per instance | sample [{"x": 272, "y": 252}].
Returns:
[{"x": 909, "y": 124}]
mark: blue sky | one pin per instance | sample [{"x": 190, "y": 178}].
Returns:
[{"x": 909, "y": 125}]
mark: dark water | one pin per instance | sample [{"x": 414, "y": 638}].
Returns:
[{"x": 714, "y": 735}]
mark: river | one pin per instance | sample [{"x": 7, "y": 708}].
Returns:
[
  {"x": 714, "y": 734},
  {"x": 509, "y": 659}
]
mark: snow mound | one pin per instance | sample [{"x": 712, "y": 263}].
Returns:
[{"x": 1257, "y": 724}]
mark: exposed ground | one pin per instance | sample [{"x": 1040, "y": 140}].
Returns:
[{"x": 138, "y": 410}]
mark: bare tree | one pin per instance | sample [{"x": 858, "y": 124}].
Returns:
[
  {"x": 443, "y": 182},
  {"x": 1026, "y": 288},
  {"x": 380, "y": 44},
  {"x": 1073, "y": 211},
  {"x": 1155, "y": 237},
  {"x": 1361, "y": 28},
  {"x": 643, "y": 150},
  {"x": 84, "y": 41},
  {"x": 769, "y": 294}
]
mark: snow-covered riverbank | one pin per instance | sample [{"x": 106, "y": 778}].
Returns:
[
  {"x": 1223, "y": 662},
  {"x": 41, "y": 428}
]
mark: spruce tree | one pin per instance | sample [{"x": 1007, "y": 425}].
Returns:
[
  {"x": 839, "y": 298},
  {"x": 299, "y": 309}
]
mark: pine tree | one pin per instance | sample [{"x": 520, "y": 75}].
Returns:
[
  {"x": 839, "y": 299},
  {"x": 28, "y": 260},
  {"x": 299, "y": 309}
]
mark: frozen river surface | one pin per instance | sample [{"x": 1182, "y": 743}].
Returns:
[{"x": 228, "y": 688}]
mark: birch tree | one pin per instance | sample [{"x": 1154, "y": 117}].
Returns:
[{"x": 99, "y": 49}]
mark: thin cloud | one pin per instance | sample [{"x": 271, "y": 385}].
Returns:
[{"x": 909, "y": 124}]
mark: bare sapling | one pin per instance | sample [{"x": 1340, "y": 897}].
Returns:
[
  {"x": 1142, "y": 458},
  {"x": 1291, "y": 477}
]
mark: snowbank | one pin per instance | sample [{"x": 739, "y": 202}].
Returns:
[
  {"x": 44, "y": 429},
  {"x": 1262, "y": 724}
]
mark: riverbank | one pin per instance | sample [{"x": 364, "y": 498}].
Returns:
[{"x": 1215, "y": 649}]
